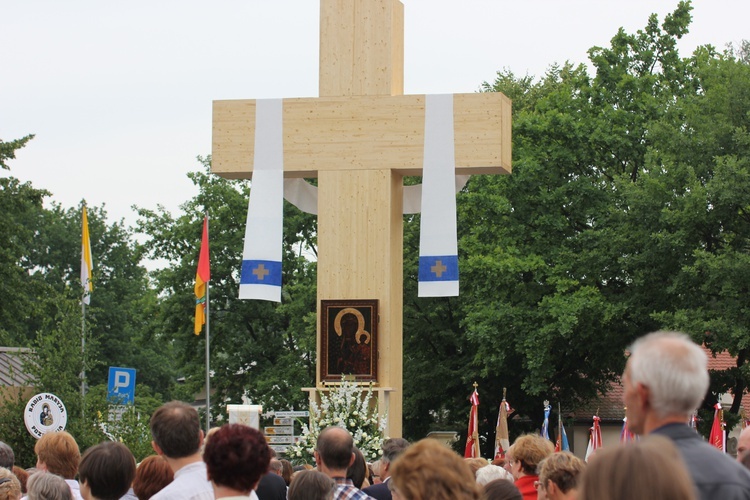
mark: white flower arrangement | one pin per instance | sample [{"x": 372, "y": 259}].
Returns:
[{"x": 348, "y": 406}]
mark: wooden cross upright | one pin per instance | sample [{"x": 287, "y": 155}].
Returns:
[{"x": 359, "y": 138}]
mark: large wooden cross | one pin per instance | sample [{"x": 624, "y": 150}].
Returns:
[{"x": 359, "y": 138}]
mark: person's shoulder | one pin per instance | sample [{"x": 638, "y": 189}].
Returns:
[
  {"x": 713, "y": 470},
  {"x": 349, "y": 492},
  {"x": 731, "y": 490},
  {"x": 676, "y": 432},
  {"x": 376, "y": 487},
  {"x": 177, "y": 494},
  {"x": 75, "y": 489},
  {"x": 272, "y": 478},
  {"x": 378, "y": 491},
  {"x": 186, "y": 486},
  {"x": 271, "y": 487}
]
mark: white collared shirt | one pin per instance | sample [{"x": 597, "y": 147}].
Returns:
[
  {"x": 75, "y": 488},
  {"x": 190, "y": 483}
]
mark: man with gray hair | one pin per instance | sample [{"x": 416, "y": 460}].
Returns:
[
  {"x": 665, "y": 379},
  {"x": 392, "y": 448}
]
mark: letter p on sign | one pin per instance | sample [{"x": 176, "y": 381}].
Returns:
[{"x": 121, "y": 386}]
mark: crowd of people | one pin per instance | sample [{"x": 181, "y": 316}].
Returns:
[{"x": 665, "y": 379}]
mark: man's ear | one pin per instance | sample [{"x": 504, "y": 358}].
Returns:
[
  {"x": 201, "y": 437},
  {"x": 551, "y": 488},
  {"x": 157, "y": 449},
  {"x": 644, "y": 395},
  {"x": 352, "y": 460}
]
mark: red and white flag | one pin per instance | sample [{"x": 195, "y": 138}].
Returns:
[
  {"x": 626, "y": 436},
  {"x": 717, "y": 438},
  {"x": 472, "y": 435},
  {"x": 502, "y": 440},
  {"x": 595, "y": 439}
]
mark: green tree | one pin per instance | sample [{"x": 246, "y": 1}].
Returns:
[
  {"x": 8, "y": 150},
  {"x": 55, "y": 366},
  {"x": 20, "y": 204},
  {"x": 259, "y": 349},
  {"x": 702, "y": 173},
  {"x": 39, "y": 274},
  {"x": 566, "y": 261},
  {"x": 123, "y": 303}
]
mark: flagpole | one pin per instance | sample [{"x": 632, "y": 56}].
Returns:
[
  {"x": 86, "y": 269},
  {"x": 83, "y": 354},
  {"x": 208, "y": 342}
]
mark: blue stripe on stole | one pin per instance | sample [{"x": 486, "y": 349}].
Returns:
[
  {"x": 438, "y": 268},
  {"x": 260, "y": 272}
]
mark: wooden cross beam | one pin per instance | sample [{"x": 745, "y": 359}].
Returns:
[{"x": 359, "y": 138}]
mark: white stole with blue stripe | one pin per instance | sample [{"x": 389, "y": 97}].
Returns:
[
  {"x": 438, "y": 242},
  {"x": 260, "y": 277}
]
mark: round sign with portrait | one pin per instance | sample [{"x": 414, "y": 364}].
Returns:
[{"x": 45, "y": 413}]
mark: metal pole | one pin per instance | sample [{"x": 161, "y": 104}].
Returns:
[
  {"x": 208, "y": 343},
  {"x": 83, "y": 354}
]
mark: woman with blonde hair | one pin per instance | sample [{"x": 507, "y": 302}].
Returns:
[
  {"x": 650, "y": 468},
  {"x": 475, "y": 464},
  {"x": 429, "y": 470},
  {"x": 559, "y": 476},
  {"x": 527, "y": 452},
  {"x": 10, "y": 486}
]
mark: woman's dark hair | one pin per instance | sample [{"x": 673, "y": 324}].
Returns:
[
  {"x": 23, "y": 477},
  {"x": 237, "y": 456},
  {"x": 108, "y": 470},
  {"x": 501, "y": 489},
  {"x": 357, "y": 470},
  {"x": 286, "y": 471}
]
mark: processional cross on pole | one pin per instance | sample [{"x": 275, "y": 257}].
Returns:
[{"x": 359, "y": 138}]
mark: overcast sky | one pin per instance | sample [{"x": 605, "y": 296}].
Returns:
[{"x": 119, "y": 93}]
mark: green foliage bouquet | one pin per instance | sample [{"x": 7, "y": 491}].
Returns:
[{"x": 348, "y": 406}]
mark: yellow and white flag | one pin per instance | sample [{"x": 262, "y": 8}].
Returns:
[{"x": 87, "y": 265}]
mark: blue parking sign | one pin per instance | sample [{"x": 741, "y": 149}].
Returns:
[{"x": 121, "y": 386}]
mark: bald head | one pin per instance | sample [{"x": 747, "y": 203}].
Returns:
[
  {"x": 176, "y": 429},
  {"x": 336, "y": 448}
]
